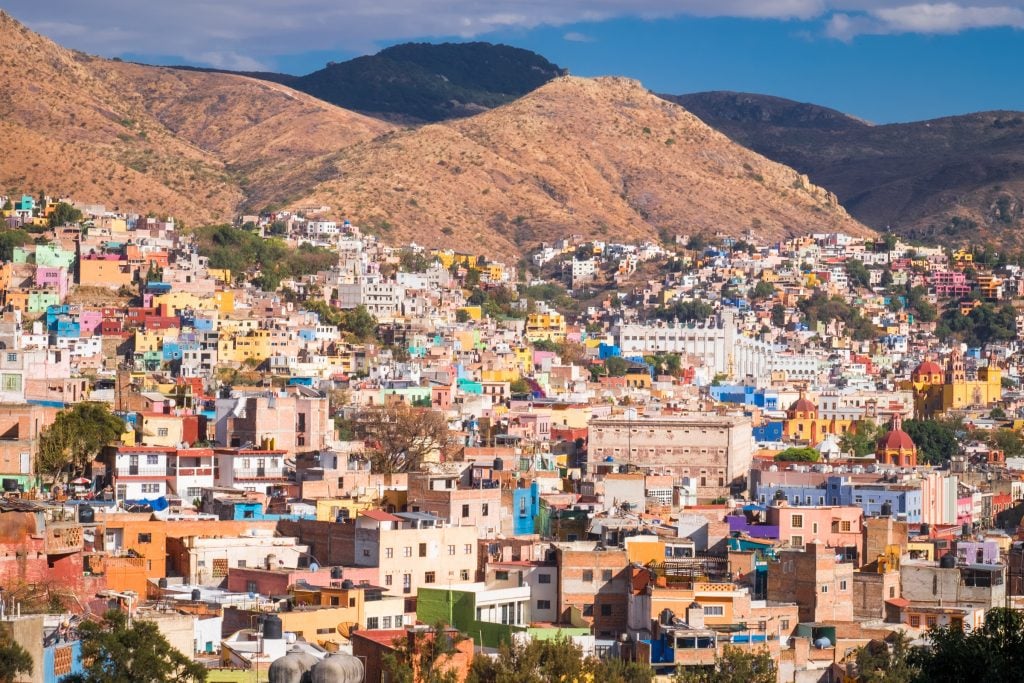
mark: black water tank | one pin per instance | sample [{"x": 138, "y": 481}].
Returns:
[
  {"x": 926, "y": 529},
  {"x": 272, "y": 627},
  {"x": 162, "y": 582},
  {"x": 336, "y": 572},
  {"x": 86, "y": 514},
  {"x": 666, "y": 616},
  {"x": 887, "y": 509},
  {"x": 947, "y": 561},
  {"x": 499, "y": 464},
  {"x": 348, "y": 584},
  {"x": 197, "y": 595},
  {"x": 10, "y": 485},
  {"x": 965, "y": 530}
]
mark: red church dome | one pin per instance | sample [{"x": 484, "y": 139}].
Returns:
[{"x": 927, "y": 368}]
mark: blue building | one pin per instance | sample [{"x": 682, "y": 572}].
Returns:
[
  {"x": 769, "y": 432},
  {"x": 903, "y": 500},
  {"x": 525, "y": 508},
  {"x": 767, "y": 399}
]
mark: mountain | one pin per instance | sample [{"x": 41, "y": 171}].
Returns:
[
  {"x": 196, "y": 145},
  {"x": 599, "y": 157},
  {"x": 420, "y": 82},
  {"x": 952, "y": 179}
]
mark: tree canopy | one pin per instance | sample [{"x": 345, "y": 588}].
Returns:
[
  {"x": 797, "y": 454},
  {"x": 427, "y": 659},
  {"x": 556, "y": 659},
  {"x": 14, "y": 660},
  {"x": 399, "y": 437},
  {"x": 935, "y": 439},
  {"x": 64, "y": 214},
  {"x": 992, "y": 652},
  {"x": 239, "y": 250},
  {"x": 734, "y": 665},
  {"x": 76, "y": 437},
  {"x": 861, "y": 439},
  {"x": 113, "y": 652}
]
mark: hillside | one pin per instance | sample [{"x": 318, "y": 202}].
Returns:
[
  {"x": 602, "y": 157},
  {"x": 950, "y": 180},
  {"x": 191, "y": 144},
  {"x": 421, "y": 82}
]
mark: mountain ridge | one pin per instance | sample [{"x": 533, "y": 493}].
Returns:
[{"x": 951, "y": 179}]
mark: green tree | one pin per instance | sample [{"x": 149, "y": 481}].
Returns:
[
  {"x": 113, "y": 652},
  {"x": 75, "y": 438},
  {"x": 1008, "y": 441},
  {"x": 734, "y": 665},
  {"x": 615, "y": 366},
  {"x": 861, "y": 439},
  {"x": 935, "y": 439},
  {"x": 992, "y": 652},
  {"x": 9, "y": 239},
  {"x": 882, "y": 662},
  {"x": 857, "y": 273},
  {"x": 763, "y": 290},
  {"x": 555, "y": 659},
  {"x": 14, "y": 660},
  {"x": 427, "y": 658},
  {"x": 778, "y": 315},
  {"x": 797, "y": 454},
  {"x": 65, "y": 214},
  {"x": 461, "y": 316}
]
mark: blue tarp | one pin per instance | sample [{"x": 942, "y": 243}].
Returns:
[{"x": 156, "y": 505}]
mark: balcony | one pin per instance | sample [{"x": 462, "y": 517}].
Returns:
[
  {"x": 63, "y": 538},
  {"x": 154, "y": 471},
  {"x": 263, "y": 473},
  {"x": 192, "y": 472}
]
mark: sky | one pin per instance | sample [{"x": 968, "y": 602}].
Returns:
[{"x": 881, "y": 60}]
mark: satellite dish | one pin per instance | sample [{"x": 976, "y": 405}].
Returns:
[{"x": 314, "y": 567}]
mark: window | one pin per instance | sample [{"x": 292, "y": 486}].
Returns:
[
  {"x": 465, "y": 511},
  {"x": 429, "y": 577},
  {"x": 372, "y": 623},
  {"x": 152, "y": 459},
  {"x": 385, "y": 622},
  {"x": 842, "y": 585},
  {"x": 797, "y": 541},
  {"x": 915, "y": 621},
  {"x": 12, "y": 358},
  {"x": 335, "y": 601},
  {"x": 387, "y": 580},
  {"x": 588, "y": 610},
  {"x": 161, "y": 431},
  {"x": 423, "y": 549},
  {"x": 606, "y": 610},
  {"x": 501, "y": 576},
  {"x": 468, "y": 548},
  {"x": 543, "y": 604},
  {"x": 250, "y": 586},
  {"x": 389, "y": 553},
  {"x": 324, "y": 631},
  {"x": 464, "y": 575},
  {"x": 714, "y": 610},
  {"x": 366, "y": 552},
  {"x": 145, "y": 538},
  {"x": 797, "y": 522},
  {"x": 588, "y": 575},
  {"x": 407, "y": 551},
  {"x": 784, "y": 624},
  {"x": 606, "y": 575},
  {"x": 544, "y": 578},
  {"x": 892, "y": 591},
  {"x": 824, "y": 588},
  {"x": 451, "y": 550},
  {"x": 846, "y": 525}
]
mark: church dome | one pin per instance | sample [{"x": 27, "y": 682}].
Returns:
[{"x": 928, "y": 368}]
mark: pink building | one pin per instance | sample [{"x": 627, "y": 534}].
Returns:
[
  {"x": 836, "y": 527},
  {"x": 52, "y": 277},
  {"x": 949, "y": 284},
  {"x": 89, "y": 321}
]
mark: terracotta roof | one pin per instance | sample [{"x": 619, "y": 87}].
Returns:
[
  {"x": 898, "y": 440},
  {"x": 380, "y": 516},
  {"x": 803, "y": 405},
  {"x": 928, "y": 367}
]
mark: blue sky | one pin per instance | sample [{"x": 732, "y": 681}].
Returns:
[{"x": 881, "y": 60}]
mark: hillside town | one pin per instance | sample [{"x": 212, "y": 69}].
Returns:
[{"x": 287, "y": 441}]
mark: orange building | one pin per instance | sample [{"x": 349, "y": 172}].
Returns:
[{"x": 896, "y": 447}]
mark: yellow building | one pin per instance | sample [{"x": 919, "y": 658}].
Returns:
[
  {"x": 803, "y": 423},
  {"x": 545, "y": 326},
  {"x": 936, "y": 392}
]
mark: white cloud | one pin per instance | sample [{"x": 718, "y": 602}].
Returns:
[
  {"x": 577, "y": 37},
  {"x": 254, "y": 32}
]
